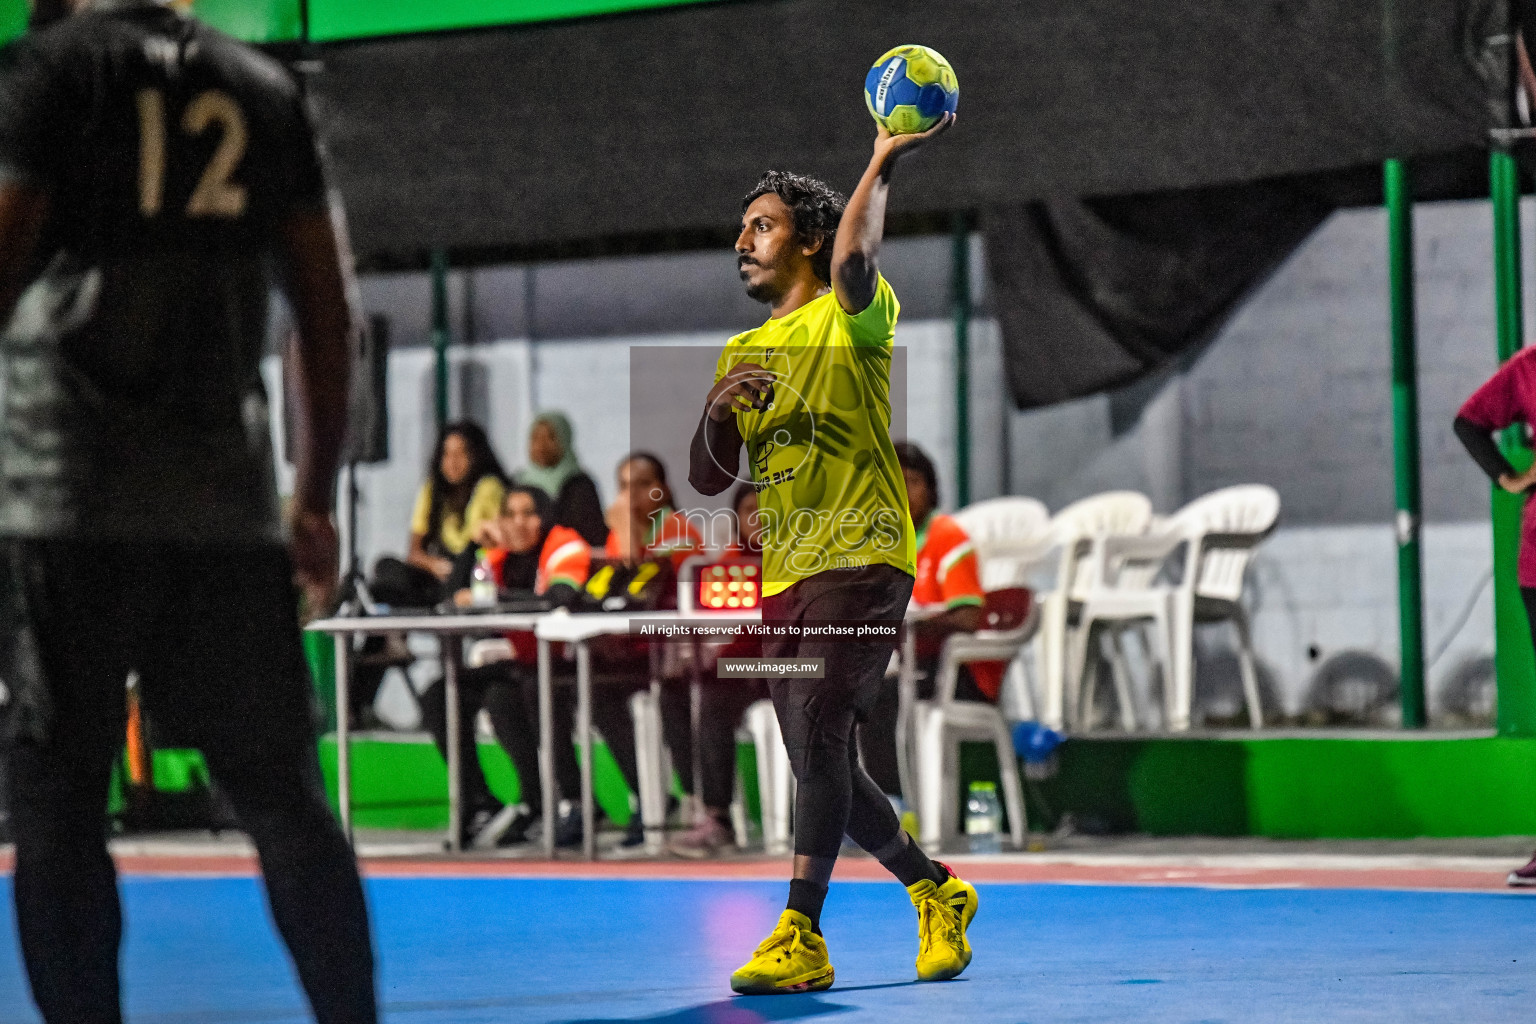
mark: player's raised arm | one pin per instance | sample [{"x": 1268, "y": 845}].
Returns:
[{"x": 855, "y": 266}]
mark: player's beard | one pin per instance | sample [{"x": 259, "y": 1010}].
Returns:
[{"x": 767, "y": 289}]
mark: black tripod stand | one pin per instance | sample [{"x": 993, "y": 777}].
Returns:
[{"x": 353, "y": 595}]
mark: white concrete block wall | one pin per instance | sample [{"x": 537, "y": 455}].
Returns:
[
  {"x": 1316, "y": 592},
  {"x": 1295, "y": 392}
]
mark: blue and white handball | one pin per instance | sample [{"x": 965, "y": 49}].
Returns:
[{"x": 910, "y": 89}]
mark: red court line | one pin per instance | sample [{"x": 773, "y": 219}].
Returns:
[{"x": 859, "y": 869}]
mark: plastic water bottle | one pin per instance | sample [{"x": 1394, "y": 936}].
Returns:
[
  {"x": 983, "y": 818},
  {"x": 482, "y": 582}
]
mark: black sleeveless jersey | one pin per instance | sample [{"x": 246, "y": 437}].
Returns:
[{"x": 133, "y": 402}]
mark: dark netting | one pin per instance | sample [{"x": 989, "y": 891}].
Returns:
[
  {"x": 653, "y": 124},
  {"x": 658, "y": 121}
]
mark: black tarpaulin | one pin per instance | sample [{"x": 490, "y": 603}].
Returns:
[
  {"x": 1206, "y": 133},
  {"x": 659, "y": 121},
  {"x": 1092, "y": 295}
]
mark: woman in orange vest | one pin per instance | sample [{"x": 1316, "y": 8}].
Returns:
[{"x": 529, "y": 556}]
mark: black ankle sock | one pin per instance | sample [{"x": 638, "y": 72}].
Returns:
[
  {"x": 911, "y": 865},
  {"x": 806, "y": 897}
]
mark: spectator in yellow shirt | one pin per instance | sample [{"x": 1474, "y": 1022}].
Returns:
[{"x": 464, "y": 488}]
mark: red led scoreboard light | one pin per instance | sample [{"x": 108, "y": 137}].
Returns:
[{"x": 729, "y": 586}]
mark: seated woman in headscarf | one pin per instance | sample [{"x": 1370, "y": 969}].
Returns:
[
  {"x": 554, "y": 469},
  {"x": 528, "y": 554}
]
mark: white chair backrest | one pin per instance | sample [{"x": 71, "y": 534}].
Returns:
[
  {"x": 1010, "y": 535},
  {"x": 1102, "y": 515},
  {"x": 1138, "y": 568},
  {"x": 1247, "y": 512},
  {"x": 1111, "y": 514}
]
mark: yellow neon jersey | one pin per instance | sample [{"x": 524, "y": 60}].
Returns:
[{"x": 830, "y": 491}]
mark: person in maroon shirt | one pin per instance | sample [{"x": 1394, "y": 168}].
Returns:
[{"x": 1506, "y": 398}]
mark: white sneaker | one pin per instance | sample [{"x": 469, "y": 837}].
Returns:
[
  {"x": 489, "y": 834},
  {"x": 706, "y": 839}
]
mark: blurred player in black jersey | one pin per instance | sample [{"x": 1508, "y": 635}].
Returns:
[{"x": 151, "y": 172}]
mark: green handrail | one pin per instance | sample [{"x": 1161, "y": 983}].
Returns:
[
  {"x": 1405, "y": 442},
  {"x": 960, "y": 290},
  {"x": 1514, "y": 662}
]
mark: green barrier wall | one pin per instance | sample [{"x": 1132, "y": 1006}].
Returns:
[
  {"x": 1297, "y": 788},
  {"x": 404, "y": 783},
  {"x": 275, "y": 21},
  {"x": 13, "y": 18},
  {"x": 255, "y": 21},
  {"x": 331, "y": 20},
  {"x": 320, "y": 654},
  {"x": 1283, "y": 788}
]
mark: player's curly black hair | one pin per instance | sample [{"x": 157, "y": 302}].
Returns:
[
  {"x": 817, "y": 207},
  {"x": 910, "y": 456}
]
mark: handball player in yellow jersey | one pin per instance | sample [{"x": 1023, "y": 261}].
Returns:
[{"x": 808, "y": 397}]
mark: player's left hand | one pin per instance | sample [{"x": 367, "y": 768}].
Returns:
[
  {"x": 888, "y": 147},
  {"x": 488, "y": 534},
  {"x": 1520, "y": 482},
  {"x": 315, "y": 551}
]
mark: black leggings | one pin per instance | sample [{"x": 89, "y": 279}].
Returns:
[
  {"x": 510, "y": 694},
  {"x": 496, "y": 689},
  {"x": 877, "y": 734},
  {"x": 721, "y": 705},
  {"x": 677, "y": 731},
  {"x": 221, "y": 669},
  {"x": 835, "y": 796}
]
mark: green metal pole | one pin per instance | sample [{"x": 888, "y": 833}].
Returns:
[
  {"x": 1514, "y": 662},
  {"x": 961, "y": 291},
  {"x": 440, "y": 335},
  {"x": 1405, "y": 441}
]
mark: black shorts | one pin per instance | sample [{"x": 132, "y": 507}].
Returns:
[
  {"x": 853, "y": 669},
  {"x": 212, "y": 633}
]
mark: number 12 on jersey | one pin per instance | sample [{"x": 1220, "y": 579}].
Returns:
[{"x": 215, "y": 195}]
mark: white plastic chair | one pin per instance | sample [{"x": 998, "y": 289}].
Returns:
[
  {"x": 944, "y": 722},
  {"x": 488, "y": 651},
  {"x": 775, "y": 778},
  {"x": 1078, "y": 533},
  {"x": 1218, "y": 533},
  {"x": 653, "y": 763},
  {"x": 1011, "y": 537},
  {"x": 1121, "y": 597}
]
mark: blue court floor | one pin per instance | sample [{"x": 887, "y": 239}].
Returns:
[{"x": 467, "y": 951}]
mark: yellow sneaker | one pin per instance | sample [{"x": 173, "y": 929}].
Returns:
[
  {"x": 943, "y": 914},
  {"x": 791, "y": 959}
]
